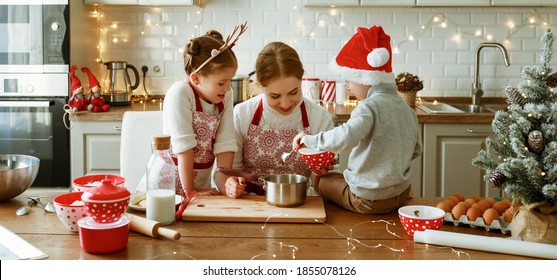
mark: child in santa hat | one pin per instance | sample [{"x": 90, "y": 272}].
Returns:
[
  {"x": 381, "y": 135},
  {"x": 96, "y": 101},
  {"x": 77, "y": 101}
]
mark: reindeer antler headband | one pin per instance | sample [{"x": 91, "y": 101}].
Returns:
[{"x": 228, "y": 44}]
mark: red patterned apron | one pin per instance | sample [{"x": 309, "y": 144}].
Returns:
[
  {"x": 205, "y": 127},
  {"x": 264, "y": 147}
]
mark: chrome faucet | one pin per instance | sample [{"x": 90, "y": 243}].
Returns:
[{"x": 477, "y": 90}]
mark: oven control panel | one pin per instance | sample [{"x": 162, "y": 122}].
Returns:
[{"x": 34, "y": 85}]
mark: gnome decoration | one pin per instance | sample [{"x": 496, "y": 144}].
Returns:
[
  {"x": 96, "y": 101},
  {"x": 77, "y": 101}
]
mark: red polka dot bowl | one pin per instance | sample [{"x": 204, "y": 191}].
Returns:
[
  {"x": 316, "y": 159},
  {"x": 420, "y": 217},
  {"x": 70, "y": 209},
  {"x": 85, "y": 182},
  {"x": 107, "y": 202}
]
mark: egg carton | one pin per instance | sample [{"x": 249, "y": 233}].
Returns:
[{"x": 499, "y": 224}]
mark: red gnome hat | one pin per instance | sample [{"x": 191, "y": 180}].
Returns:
[
  {"x": 93, "y": 82},
  {"x": 366, "y": 58},
  {"x": 75, "y": 82}
]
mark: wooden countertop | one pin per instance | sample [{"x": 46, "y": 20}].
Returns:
[
  {"x": 342, "y": 111},
  {"x": 344, "y": 236}
]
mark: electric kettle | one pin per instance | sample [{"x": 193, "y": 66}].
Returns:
[{"x": 117, "y": 87}]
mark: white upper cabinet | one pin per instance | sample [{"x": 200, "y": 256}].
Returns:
[
  {"x": 145, "y": 2},
  {"x": 388, "y": 2},
  {"x": 332, "y": 2},
  {"x": 446, "y": 3},
  {"x": 523, "y": 3}
]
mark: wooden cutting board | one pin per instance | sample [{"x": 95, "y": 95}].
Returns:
[{"x": 253, "y": 209}]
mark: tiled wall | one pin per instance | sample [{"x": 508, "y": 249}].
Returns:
[{"x": 150, "y": 35}]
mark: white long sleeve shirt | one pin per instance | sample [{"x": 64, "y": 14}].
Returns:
[{"x": 383, "y": 137}]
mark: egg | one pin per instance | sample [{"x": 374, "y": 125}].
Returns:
[
  {"x": 475, "y": 198},
  {"x": 450, "y": 202},
  {"x": 444, "y": 205},
  {"x": 491, "y": 200},
  {"x": 454, "y": 198},
  {"x": 508, "y": 202},
  {"x": 458, "y": 211},
  {"x": 478, "y": 206},
  {"x": 469, "y": 201},
  {"x": 508, "y": 215},
  {"x": 473, "y": 214},
  {"x": 490, "y": 215},
  {"x": 464, "y": 204},
  {"x": 485, "y": 203},
  {"x": 459, "y": 196},
  {"x": 500, "y": 207}
]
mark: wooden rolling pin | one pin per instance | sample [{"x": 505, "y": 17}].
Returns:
[{"x": 151, "y": 228}]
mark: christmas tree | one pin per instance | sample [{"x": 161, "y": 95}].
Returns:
[{"x": 525, "y": 165}]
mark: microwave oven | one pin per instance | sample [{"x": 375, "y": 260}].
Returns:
[{"x": 35, "y": 36}]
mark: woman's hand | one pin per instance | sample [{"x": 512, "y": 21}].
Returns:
[
  {"x": 296, "y": 143},
  {"x": 235, "y": 186},
  {"x": 322, "y": 171}
]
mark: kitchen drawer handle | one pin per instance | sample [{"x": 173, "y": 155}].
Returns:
[
  {"x": 478, "y": 131},
  {"x": 117, "y": 127}
]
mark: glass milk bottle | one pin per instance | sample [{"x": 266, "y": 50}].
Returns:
[{"x": 161, "y": 183}]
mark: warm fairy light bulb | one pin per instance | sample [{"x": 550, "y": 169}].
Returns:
[
  {"x": 444, "y": 24},
  {"x": 295, "y": 7},
  {"x": 199, "y": 12},
  {"x": 321, "y": 23},
  {"x": 312, "y": 34},
  {"x": 489, "y": 37},
  {"x": 148, "y": 22},
  {"x": 333, "y": 12},
  {"x": 510, "y": 24},
  {"x": 532, "y": 20},
  {"x": 115, "y": 40},
  {"x": 435, "y": 19},
  {"x": 526, "y": 148},
  {"x": 456, "y": 38},
  {"x": 529, "y": 115},
  {"x": 423, "y": 26},
  {"x": 114, "y": 26},
  {"x": 543, "y": 173},
  {"x": 478, "y": 33},
  {"x": 142, "y": 32},
  {"x": 395, "y": 49},
  {"x": 411, "y": 37},
  {"x": 342, "y": 24}
]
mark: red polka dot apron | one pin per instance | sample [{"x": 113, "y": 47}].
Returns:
[
  {"x": 263, "y": 148},
  {"x": 205, "y": 127}
]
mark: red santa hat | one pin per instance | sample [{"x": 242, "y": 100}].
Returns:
[
  {"x": 75, "y": 82},
  {"x": 366, "y": 58},
  {"x": 93, "y": 82}
]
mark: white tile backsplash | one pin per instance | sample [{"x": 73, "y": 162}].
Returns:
[{"x": 443, "y": 62}]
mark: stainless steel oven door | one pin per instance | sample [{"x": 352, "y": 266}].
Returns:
[
  {"x": 34, "y": 126},
  {"x": 34, "y": 36}
]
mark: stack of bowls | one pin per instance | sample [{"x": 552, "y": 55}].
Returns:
[{"x": 106, "y": 228}]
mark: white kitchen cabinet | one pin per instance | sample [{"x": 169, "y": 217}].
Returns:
[
  {"x": 387, "y": 2},
  {"x": 331, "y": 2},
  {"x": 445, "y": 3},
  {"x": 447, "y": 160},
  {"x": 95, "y": 147},
  {"x": 523, "y": 3},
  {"x": 145, "y": 2}
]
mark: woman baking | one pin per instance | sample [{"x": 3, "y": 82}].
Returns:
[{"x": 266, "y": 124}]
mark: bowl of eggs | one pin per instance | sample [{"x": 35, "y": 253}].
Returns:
[{"x": 420, "y": 217}]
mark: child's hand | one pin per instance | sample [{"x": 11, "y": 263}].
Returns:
[
  {"x": 235, "y": 186},
  {"x": 322, "y": 171},
  {"x": 296, "y": 142}
]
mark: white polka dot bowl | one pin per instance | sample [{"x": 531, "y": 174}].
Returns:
[
  {"x": 107, "y": 202},
  {"x": 316, "y": 159},
  {"x": 70, "y": 209},
  {"x": 420, "y": 217}
]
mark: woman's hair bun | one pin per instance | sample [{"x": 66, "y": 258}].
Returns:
[{"x": 215, "y": 34}]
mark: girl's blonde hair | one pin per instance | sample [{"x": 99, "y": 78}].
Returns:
[
  {"x": 277, "y": 59},
  {"x": 198, "y": 50}
]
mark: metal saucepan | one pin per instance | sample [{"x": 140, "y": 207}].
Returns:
[{"x": 282, "y": 190}]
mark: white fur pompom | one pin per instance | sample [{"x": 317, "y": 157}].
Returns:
[{"x": 378, "y": 57}]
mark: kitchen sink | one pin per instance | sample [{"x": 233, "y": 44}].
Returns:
[{"x": 444, "y": 108}]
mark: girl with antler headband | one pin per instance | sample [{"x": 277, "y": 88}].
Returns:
[{"x": 198, "y": 113}]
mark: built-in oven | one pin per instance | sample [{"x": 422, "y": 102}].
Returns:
[{"x": 34, "y": 85}]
